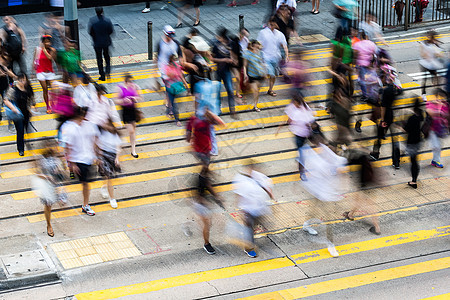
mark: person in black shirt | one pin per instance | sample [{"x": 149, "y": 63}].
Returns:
[
  {"x": 101, "y": 29},
  {"x": 413, "y": 129},
  {"x": 20, "y": 98}
]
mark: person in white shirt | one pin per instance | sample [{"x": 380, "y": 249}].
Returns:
[
  {"x": 272, "y": 40},
  {"x": 84, "y": 93},
  {"x": 80, "y": 137},
  {"x": 108, "y": 150},
  {"x": 370, "y": 26},
  {"x": 254, "y": 190},
  {"x": 100, "y": 108}
]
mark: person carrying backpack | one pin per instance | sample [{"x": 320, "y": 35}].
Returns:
[{"x": 14, "y": 42}]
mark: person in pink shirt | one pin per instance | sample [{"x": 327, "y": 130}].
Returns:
[
  {"x": 300, "y": 119},
  {"x": 438, "y": 110},
  {"x": 364, "y": 53}
]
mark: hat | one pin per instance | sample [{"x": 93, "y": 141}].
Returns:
[
  {"x": 168, "y": 30},
  {"x": 199, "y": 43}
]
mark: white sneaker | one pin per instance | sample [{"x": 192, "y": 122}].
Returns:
[
  {"x": 424, "y": 98},
  {"x": 113, "y": 203},
  {"x": 104, "y": 192},
  {"x": 310, "y": 230},
  {"x": 88, "y": 210},
  {"x": 333, "y": 250},
  {"x": 146, "y": 10}
]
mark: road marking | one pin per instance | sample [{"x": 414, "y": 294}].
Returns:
[
  {"x": 345, "y": 283},
  {"x": 182, "y": 280},
  {"x": 422, "y": 75},
  {"x": 181, "y": 195},
  {"x": 373, "y": 244},
  {"x": 250, "y": 268},
  {"x": 439, "y": 297}
]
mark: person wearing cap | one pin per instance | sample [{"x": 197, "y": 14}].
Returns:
[{"x": 101, "y": 29}]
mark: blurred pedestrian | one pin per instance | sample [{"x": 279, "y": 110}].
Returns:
[
  {"x": 14, "y": 42},
  {"x": 109, "y": 147},
  {"x": 146, "y": 8},
  {"x": 365, "y": 51},
  {"x": 128, "y": 94},
  {"x": 6, "y": 75},
  {"x": 48, "y": 181},
  {"x": 343, "y": 55},
  {"x": 431, "y": 56},
  {"x": 236, "y": 68},
  {"x": 201, "y": 204},
  {"x": 300, "y": 120},
  {"x": 315, "y": 7},
  {"x": 44, "y": 57},
  {"x": 175, "y": 85},
  {"x": 370, "y": 26},
  {"x": 52, "y": 26},
  {"x": 346, "y": 11},
  {"x": 222, "y": 57},
  {"x": 254, "y": 190},
  {"x": 70, "y": 61},
  {"x": 198, "y": 55},
  {"x": 198, "y": 134},
  {"x": 187, "y": 5},
  {"x": 413, "y": 129},
  {"x": 272, "y": 40},
  {"x": 438, "y": 110},
  {"x": 254, "y": 70},
  {"x": 99, "y": 109},
  {"x": 100, "y": 28},
  {"x": 80, "y": 138},
  {"x": 285, "y": 22},
  {"x": 18, "y": 100}
]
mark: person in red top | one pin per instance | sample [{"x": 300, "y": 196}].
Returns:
[
  {"x": 198, "y": 133},
  {"x": 44, "y": 56}
]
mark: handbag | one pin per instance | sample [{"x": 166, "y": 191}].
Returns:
[
  {"x": 139, "y": 115},
  {"x": 176, "y": 88},
  {"x": 15, "y": 117},
  {"x": 64, "y": 106}
]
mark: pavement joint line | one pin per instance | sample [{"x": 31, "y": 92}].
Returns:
[
  {"x": 165, "y": 197},
  {"x": 340, "y": 284},
  {"x": 276, "y": 263},
  {"x": 140, "y": 176}
]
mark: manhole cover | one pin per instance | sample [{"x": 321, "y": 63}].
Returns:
[{"x": 26, "y": 262}]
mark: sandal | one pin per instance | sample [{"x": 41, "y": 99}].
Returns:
[
  {"x": 272, "y": 93},
  {"x": 50, "y": 234},
  {"x": 256, "y": 109},
  {"x": 413, "y": 185},
  {"x": 346, "y": 215},
  {"x": 316, "y": 12},
  {"x": 179, "y": 25},
  {"x": 239, "y": 95}
]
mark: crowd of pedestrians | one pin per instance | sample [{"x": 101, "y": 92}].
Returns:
[{"x": 89, "y": 124}]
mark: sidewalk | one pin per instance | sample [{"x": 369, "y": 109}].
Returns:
[{"x": 131, "y": 25}]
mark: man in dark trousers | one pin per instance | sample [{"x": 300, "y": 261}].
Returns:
[{"x": 101, "y": 29}]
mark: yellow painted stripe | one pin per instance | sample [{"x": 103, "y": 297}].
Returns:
[
  {"x": 182, "y": 280},
  {"x": 373, "y": 244},
  {"x": 222, "y": 188},
  {"x": 229, "y": 272},
  {"x": 439, "y": 297},
  {"x": 344, "y": 283}
]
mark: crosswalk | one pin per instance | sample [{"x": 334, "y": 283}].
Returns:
[{"x": 286, "y": 265}]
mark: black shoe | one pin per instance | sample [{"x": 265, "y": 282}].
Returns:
[
  {"x": 101, "y": 78},
  {"x": 209, "y": 249},
  {"x": 196, "y": 24},
  {"x": 413, "y": 185},
  {"x": 135, "y": 155},
  {"x": 179, "y": 25},
  {"x": 374, "y": 156},
  {"x": 372, "y": 229},
  {"x": 364, "y": 99},
  {"x": 358, "y": 126},
  {"x": 21, "y": 153}
]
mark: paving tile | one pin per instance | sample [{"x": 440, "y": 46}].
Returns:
[
  {"x": 61, "y": 246},
  {"x": 104, "y": 248},
  {"x": 129, "y": 252},
  {"x": 100, "y": 239},
  {"x": 81, "y": 243},
  {"x": 123, "y": 244},
  {"x": 85, "y": 251},
  {"x": 67, "y": 254},
  {"x": 117, "y": 236},
  {"x": 108, "y": 256},
  {"x": 71, "y": 263},
  {"x": 91, "y": 259}
]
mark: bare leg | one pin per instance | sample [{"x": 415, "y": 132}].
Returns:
[
  {"x": 255, "y": 89},
  {"x": 181, "y": 13},
  {"x": 132, "y": 132},
  {"x": 48, "y": 215},
  {"x": 197, "y": 14},
  {"x": 45, "y": 93},
  {"x": 206, "y": 223},
  {"x": 271, "y": 82},
  {"x": 110, "y": 188},
  {"x": 237, "y": 75},
  {"x": 86, "y": 193}
]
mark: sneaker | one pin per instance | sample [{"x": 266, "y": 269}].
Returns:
[
  {"x": 333, "y": 250},
  {"x": 437, "y": 164},
  {"x": 72, "y": 175},
  {"x": 310, "y": 230},
  {"x": 374, "y": 156},
  {"x": 209, "y": 249},
  {"x": 358, "y": 126},
  {"x": 113, "y": 203},
  {"x": 303, "y": 177},
  {"x": 146, "y": 10},
  {"x": 251, "y": 253},
  {"x": 21, "y": 153},
  {"x": 104, "y": 192},
  {"x": 364, "y": 99},
  {"x": 88, "y": 210},
  {"x": 424, "y": 97}
]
